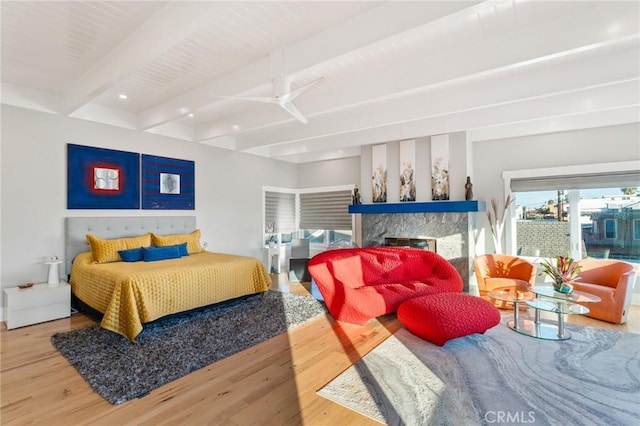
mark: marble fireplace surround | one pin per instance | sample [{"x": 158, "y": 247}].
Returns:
[{"x": 452, "y": 229}]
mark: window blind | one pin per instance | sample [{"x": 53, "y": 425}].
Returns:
[
  {"x": 325, "y": 210},
  {"x": 280, "y": 209},
  {"x": 583, "y": 181}
]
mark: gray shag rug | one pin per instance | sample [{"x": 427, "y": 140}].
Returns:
[
  {"x": 501, "y": 377},
  {"x": 172, "y": 347}
]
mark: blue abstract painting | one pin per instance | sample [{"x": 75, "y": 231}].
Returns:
[
  {"x": 167, "y": 183},
  {"x": 99, "y": 178}
]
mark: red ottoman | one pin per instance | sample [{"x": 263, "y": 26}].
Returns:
[{"x": 445, "y": 316}]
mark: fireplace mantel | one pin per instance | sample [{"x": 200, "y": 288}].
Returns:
[{"x": 419, "y": 207}]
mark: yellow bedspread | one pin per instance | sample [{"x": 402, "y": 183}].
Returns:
[{"x": 130, "y": 294}]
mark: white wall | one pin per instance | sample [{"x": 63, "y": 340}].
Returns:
[
  {"x": 33, "y": 177},
  {"x": 344, "y": 171},
  {"x": 579, "y": 147}
]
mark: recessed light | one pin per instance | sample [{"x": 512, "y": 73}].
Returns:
[
  {"x": 190, "y": 115},
  {"x": 122, "y": 96},
  {"x": 236, "y": 127}
]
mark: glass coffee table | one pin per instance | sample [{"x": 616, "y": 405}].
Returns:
[
  {"x": 549, "y": 300},
  {"x": 515, "y": 294},
  {"x": 543, "y": 298}
]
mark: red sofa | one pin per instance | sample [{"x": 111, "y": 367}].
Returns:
[{"x": 359, "y": 284}]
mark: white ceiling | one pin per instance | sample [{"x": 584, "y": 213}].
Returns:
[{"x": 391, "y": 70}]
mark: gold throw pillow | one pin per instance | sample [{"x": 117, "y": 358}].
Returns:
[
  {"x": 106, "y": 250},
  {"x": 192, "y": 239}
]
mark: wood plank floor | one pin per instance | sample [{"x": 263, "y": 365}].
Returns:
[{"x": 273, "y": 383}]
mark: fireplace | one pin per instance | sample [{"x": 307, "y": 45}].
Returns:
[
  {"x": 423, "y": 243},
  {"x": 448, "y": 225},
  {"x": 451, "y": 234}
]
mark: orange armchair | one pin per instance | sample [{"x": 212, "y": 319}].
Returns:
[
  {"x": 612, "y": 281},
  {"x": 501, "y": 270}
]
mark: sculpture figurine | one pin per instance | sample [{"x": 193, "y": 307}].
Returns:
[
  {"x": 468, "y": 187},
  {"x": 356, "y": 197}
]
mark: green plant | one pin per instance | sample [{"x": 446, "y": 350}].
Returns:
[{"x": 561, "y": 269}]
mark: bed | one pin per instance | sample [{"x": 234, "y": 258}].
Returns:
[{"x": 130, "y": 294}]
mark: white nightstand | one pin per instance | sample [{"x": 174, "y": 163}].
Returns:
[{"x": 40, "y": 303}]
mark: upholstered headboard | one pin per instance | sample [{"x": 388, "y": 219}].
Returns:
[{"x": 76, "y": 229}]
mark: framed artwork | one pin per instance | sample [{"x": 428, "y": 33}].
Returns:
[
  {"x": 407, "y": 170},
  {"x": 440, "y": 167},
  {"x": 167, "y": 183},
  {"x": 99, "y": 178},
  {"x": 379, "y": 173}
]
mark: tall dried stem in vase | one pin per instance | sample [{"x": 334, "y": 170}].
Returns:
[{"x": 496, "y": 221}]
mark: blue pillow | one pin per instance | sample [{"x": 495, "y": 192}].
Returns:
[
  {"x": 182, "y": 249},
  {"x": 131, "y": 255},
  {"x": 151, "y": 254}
]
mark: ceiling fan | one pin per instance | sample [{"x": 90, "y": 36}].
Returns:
[{"x": 282, "y": 96}]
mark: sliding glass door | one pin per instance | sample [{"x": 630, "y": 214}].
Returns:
[{"x": 588, "y": 222}]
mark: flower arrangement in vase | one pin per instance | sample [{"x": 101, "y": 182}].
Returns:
[{"x": 562, "y": 270}]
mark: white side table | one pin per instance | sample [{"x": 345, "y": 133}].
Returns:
[{"x": 40, "y": 303}]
